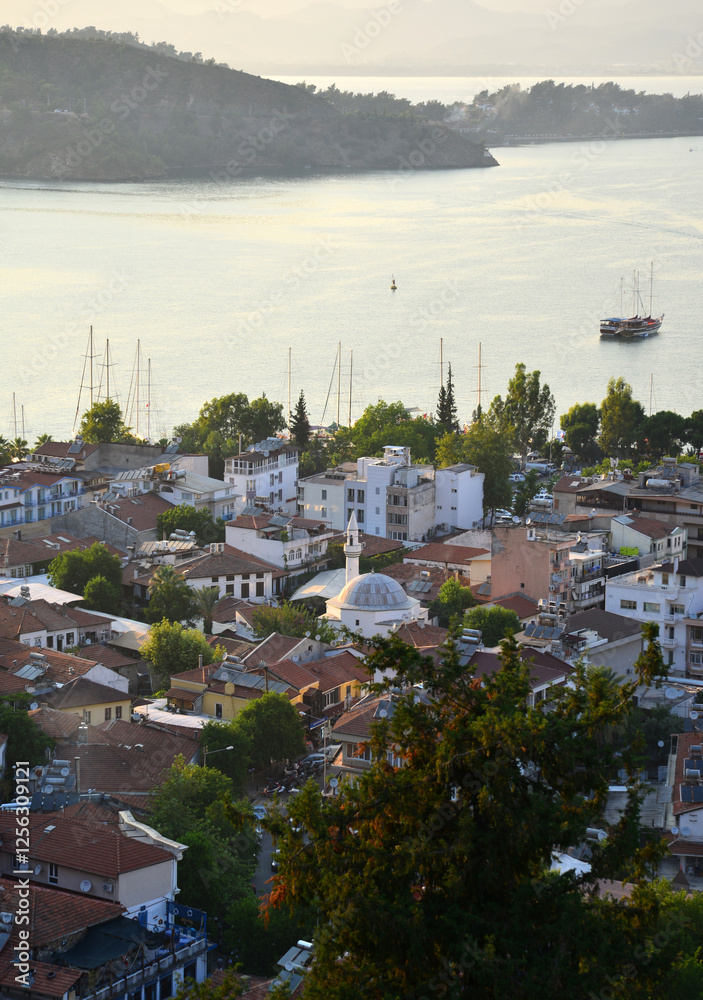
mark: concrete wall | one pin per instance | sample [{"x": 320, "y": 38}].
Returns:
[
  {"x": 93, "y": 520},
  {"x": 146, "y": 884},
  {"x": 459, "y": 498},
  {"x": 518, "y": 564}
]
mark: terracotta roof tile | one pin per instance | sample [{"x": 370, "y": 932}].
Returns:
[
  {"x": 523, "y": 606},
  {"x": 443, "y": 554},
  {"x": 143, "y": 510},
  {"x": 374, "y": 545},
  {"x": 80, "y": 692}
]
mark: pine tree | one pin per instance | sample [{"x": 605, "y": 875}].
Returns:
[
  {"x": 446, "y": 405},
  {"x": 300, "y": 422}
]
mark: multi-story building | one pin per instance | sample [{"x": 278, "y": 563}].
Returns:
[
  {"x": 293, "y": 543},
  {"x": 266, "y": 471},
  {"x": 562, "y": 567},
  {"x": 28, "y": 495},
  {"x": 670, "y": 594},
  {"x": 177, "y": 485},
  {"x": 393, "y": 498},
  {"x": 633, "y": 534}
]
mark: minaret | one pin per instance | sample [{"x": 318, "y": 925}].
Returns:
[{"x": 353, "y": 548}]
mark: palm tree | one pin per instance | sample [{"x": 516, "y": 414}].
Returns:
[
  {"x": 205, "y": 600},
  {"x": 17, "y": 449},
  {"x": 170, "y": 596},
  {"x": 4, "y": 450},
  {"x": 42, "y": 439}
]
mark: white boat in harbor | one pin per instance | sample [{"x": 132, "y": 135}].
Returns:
[{"x": 638, "y": 326}]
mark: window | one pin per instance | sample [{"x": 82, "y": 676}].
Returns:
[
  {"x": 324, "y": 494},
  {"x": 357, "y": 751},
  {"x": 259, "y": 576},
  {"x": 118, "y": 711},
  {"x": 678, "y": 609},
  {"x": 245, "y": 576},
  {"x": 49, "y": 642},
  {"x": 629, "y": 605},
  {"x": 166, "y": 987},
  {"x": 397, "y": 518},
  {"x": 108, "y": 714},
  {"x": 697, "y": 634},
  {"x": 230, "y": 576},
  {"x": 378, "y": 510},
  {"x": 359, "y": 496},
  {"x": 665, "y": 579},
  {"x": 53, "y": 873},
  {"x": 323, "y": 513},
  {"x": 259, "y": 588},
  {"x": 378, "y": 490},
  {"x": 651, "y": 607},
  {"x": 218, "y": 710},
  {"x": 683, "y": 581},
  {"x": 280, "y": 478},
  {"x": 214, "y": 579},
  {"x": 86, "y": 717},
  {"x": 245, "y": 591},
  {"x": 331, "y": 697},
  {"x": 272, "y": 479},
  {"x": 280, "y": 495},
  {"x": 349, "y": 513},
  {"x": 70, "y": 638},
  {"x": 696, "y": 658},
  {"x": 298, "y": 553},
  {"x": 37, "y": 642},
  {"x": 350, "y": 496},
  {"x": 229, "y": 589},
  {"x": 360, "y": 516},
  {"x": 378, "y": 531}
]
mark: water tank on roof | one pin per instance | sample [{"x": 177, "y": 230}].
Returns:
[{"x": 658, "y": 484}]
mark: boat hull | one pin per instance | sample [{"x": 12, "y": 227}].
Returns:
[{"x": 632, "y": 328}]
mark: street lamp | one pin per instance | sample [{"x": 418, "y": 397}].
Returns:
[{"x": 206, "y": 752}]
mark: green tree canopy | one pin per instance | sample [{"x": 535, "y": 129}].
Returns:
[
  {"x": 529, "y": 408},
  {"x": 495, "y": 623},
  {"x": 663, "y": 433},
  {"x": 489, "y": 451},
  {"x": 104, "y": 423},
  {"x": 100, "y": 595},
  {"x": 170, "y": 597},
  {"x": 388, "y": 423},
  {"x": 273, "y": 727},
  {"x": 621, "y": 420},
  {"x": 300, "y": 422},
  {"x": 694, "y": 430},
  {"x": 173, "y": 649},
  {"x": 446, "y": 405},
  {"x": 452, "y": 599},
  {"x": 186, "y": 518},
  {"x": 580, "y": 426},
  {"x": 73, "y": 570},
  {"x": 216, "y": 736},
  {"x": 289, "y": 619},
  {"x": 425, "y": 849},
  {"x": 25, "y": 740},
  {"x": 205, "y": 600}
]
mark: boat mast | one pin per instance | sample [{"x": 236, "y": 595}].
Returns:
[
  {"x": 651, "y": 382},
  {"x": 148, "y": 399},
  {"x": 289, "y": 409},
  {"x": 339, "y": 377},
  {"x": 139, "y": 344},
  {"x": 479, "y": 376},
  {"x": 91, "y": 367},
  {"x": 351, "y": 368},
  {"x": 651, "y": 285},
  {"x": 14, "y": 413},
  {"x": 441, "y": 363},
  {"x": 22, "y": 411}
]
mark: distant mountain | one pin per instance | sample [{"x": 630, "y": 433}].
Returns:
[
  {"x": 418, "y": 36},
  {"x": 95, "y": 109}
]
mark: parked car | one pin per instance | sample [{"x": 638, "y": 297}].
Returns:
[
  {"x": 517, "y": 477},
  {"x": 275, "y": 859},
  {"x": 261, "y": 812}
]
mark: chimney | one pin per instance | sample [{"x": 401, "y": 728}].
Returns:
[
  {"x": 201, "y": 667},
  {"x": 78, "y": 774},
  {"x": 18, "y": 535}
]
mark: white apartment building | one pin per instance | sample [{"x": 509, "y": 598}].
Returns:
[
  {"x": 178, "y": 486},
  {"x": 393, "y": 498},
  {"x": 667, "y": 594},
  {"x": 28, "y": 495},
  {"x": 291, "y": 543},
  {"x": 266, "y": 471}
]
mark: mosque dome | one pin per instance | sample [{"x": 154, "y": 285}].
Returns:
[{"x": 374, "y": 592}]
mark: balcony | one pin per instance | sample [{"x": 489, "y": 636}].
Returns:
[
  {"x": 151, "y": 971},
  {"x": 667, "y": 643}
]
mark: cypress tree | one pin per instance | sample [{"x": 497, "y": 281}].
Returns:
[
  {"x": 446, "y": 405},
  {"x": 300, "y": 422}
]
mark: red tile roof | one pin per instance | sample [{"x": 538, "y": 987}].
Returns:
[
  {"x": 570, "y": 484},
  {"x": 230, "y": 561},
  {"x": 421, "y": 636},
  {"x": 63, "y": 726},
  {"x": 374, "y": 545},
  {"x": 80, "y": 692},
  {"x": 460, "y": 555},
  {"x": 521, "y": 604},
  {"x": 225, "y": 610},
  {"x": 55, "y": 914},
  {"x": 65, "y": 842},
  {"x": 545, "y": 667},
  {"x": 143, "y": 510},
  {"x": 59, "y": 449},
  {"x": 273, "y": 648},
  {"x": 294, "y": 674}
]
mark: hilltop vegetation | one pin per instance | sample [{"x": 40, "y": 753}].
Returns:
[{"x": 98, "y": 109}]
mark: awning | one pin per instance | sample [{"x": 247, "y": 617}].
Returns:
[{"x": 109, "y": 941}]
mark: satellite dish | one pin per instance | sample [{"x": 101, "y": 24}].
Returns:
[
  {"x": 34, "y": 706},
  {"x": 333, "y": 782},
  {"x": 686, "y": 831},
  {"x": 675, "y": 830},
  {"x": 528, "y": 520},
  {"x": 37, "y": 870},
  {"x": 593, "y": 512},
  {"x": 85, "y": 886},
  {"x": 48, "y": 789},
  {"x": 383, "y": 714},
  {"x": 307, "y": 635},
  {"x": 660, "y": 744},
  {"x": 671, "y": 693},
  {"x": 693, "y": 715},
  {"x": 290, "y": 967},
  {"x": 317, "y": 638},
  {"x": 65, "y": 771},
  {"x": 516, "y": 519}
]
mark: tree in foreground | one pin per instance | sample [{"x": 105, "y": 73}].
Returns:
[
  {"x": 452, "y": 599},
  {"x": 173, "y": 649},
  {"x": 300, "y": 422},
  {"x": 446, "y": 860},
  {"x": 73, "y": 570}
]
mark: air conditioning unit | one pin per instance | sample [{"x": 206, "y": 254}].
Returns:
[{"x": 108, "y": 887}]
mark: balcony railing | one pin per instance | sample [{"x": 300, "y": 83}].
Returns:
[{"x": 152, "y": 970}]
